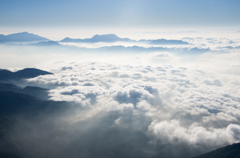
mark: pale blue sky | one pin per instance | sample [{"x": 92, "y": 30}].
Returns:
[{"x": 119, "y": 13}]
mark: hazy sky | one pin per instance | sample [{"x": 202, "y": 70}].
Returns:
[{"x": 122, "y": 13}]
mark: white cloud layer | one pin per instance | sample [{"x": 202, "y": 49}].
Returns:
[
  {"x": 139, "y": 105},
  {"x": 192, "y": 109}
]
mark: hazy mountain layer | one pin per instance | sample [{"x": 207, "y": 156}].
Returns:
[{"x": 21, "y": 37}]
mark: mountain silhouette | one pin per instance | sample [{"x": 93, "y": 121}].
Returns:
[
  {"x": 21, "y": 37},
  {"x": 230, "y": 151},
  {"x": 98, "y": 38},
  {"x": 11, "y": 102},
  {"x": 39, "y": 92},
  {"x": 30, "y": 73},
  {"x": 109, "y": 38},
  {"x": 6, "y": 75},
  {"x": 9, "y": 87},
  {"x": 13, "y": 105}
]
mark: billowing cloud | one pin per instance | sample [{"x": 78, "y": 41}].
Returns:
[
  {"x": 156, "y": 104},
  {"x": 126, "y": 110}
]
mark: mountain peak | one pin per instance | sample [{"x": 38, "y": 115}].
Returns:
[
  {"x": 6, "y": 75},
  {"x": 97, "y": 38},
  {"x": 22, "y": 37},
  {"x": 105, "y": 36},
  {"x": 30, "y": 73}
]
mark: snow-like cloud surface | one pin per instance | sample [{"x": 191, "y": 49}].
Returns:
[
  {"x": 151, "y": 104},
  {"x": 168, "y": 110}
]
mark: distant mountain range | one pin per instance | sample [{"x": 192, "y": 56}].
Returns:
[
  {"x": 21, "y": 37},
  {"x": 107, "y": 38},
  {"x": 230, "y": 151},
  {"x": 139, "y": 49},
  {"x": 21, "y": 74},
  {"x": 98, "y": 38},
  {"x": 123, "y": 49},
  {"x": 110, "y": 38}
]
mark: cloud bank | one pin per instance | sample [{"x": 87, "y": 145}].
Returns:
[
  {"x": 125, "y": 110},
  {"x": 154, "y": 104}
]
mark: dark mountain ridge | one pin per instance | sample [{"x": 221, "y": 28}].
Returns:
[
  {"x": 39, "y": 92},
  {"x": 230, "y": 151},
  {"x": 6, "y": 75},
  {"x": 14, "y": 105}
]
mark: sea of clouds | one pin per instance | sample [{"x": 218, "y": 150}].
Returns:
[{"x": 157, "y": 104}]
